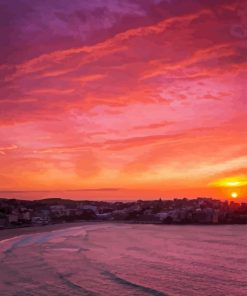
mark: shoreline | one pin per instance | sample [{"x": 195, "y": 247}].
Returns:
[{"x": 9, "y": 233}]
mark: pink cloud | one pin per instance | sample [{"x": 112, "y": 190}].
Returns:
[{"x": 122, "y": 96}]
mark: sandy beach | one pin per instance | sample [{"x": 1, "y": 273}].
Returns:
[
  {"x": 9, "y": 233},
  {"x": 12, "y": 232}
]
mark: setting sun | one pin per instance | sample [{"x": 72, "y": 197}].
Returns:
[{"x": 234, "y": 195}]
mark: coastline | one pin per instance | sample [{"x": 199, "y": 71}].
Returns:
[
  {"x": 9, "y": 233},
  {"x": 13, "y": 232}
]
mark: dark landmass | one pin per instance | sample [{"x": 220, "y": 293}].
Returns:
[{"x": 16, "y": 213}]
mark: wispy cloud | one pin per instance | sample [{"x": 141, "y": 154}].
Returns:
[
  {"x": 121, "y": 95},
  {"x": 4, "y": 150}
]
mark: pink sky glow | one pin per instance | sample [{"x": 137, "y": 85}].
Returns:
[{"x": 123, "y": 99}]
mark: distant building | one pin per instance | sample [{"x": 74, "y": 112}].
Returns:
[
  {"x": 12, "y": 218},
  {"x": 215, "y": 217},
  {"x": 89, "y": 207},
  {"x": 58, "y": 210},
  {"x": 3, "y": 221},
  {"x": 25, "y": 216},
  {"x": 38, "y": 220}
]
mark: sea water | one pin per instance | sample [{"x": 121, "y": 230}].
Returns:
[{"x": 127, "y": 259}]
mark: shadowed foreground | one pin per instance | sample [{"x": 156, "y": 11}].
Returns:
[{"x": 122, "y": 259}]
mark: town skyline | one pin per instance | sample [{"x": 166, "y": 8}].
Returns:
[
  {"x": 25, "y": 213},
  {"x": 89, "y": 194}
]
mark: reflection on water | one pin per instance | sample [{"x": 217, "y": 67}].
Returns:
[{"x": 122, "y": 259}]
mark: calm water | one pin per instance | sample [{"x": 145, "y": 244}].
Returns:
[{"x": 118, "y": 259}]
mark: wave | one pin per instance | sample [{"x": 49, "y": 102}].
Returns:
[
  {"x": 73, "y": 286},
  {"x": 125, "y": 282}
]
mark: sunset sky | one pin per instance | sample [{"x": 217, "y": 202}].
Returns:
[{"x": 123, "y": 99}]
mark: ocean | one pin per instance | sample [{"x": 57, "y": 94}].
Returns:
[{"x": 127, "y": 259}]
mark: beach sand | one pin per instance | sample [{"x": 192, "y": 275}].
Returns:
[{"x": 9, "y": 233}]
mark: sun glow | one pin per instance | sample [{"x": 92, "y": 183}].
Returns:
[
  {"x": 231, "y": 182},
  {"x": 234, "y": 195}
]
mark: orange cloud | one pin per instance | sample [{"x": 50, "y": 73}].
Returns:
[{"x": 149, "y": 99}]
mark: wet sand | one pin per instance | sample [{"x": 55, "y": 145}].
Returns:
[
  {"x": 9, "y": 233},
  {"x": 12, "y": 232}
]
